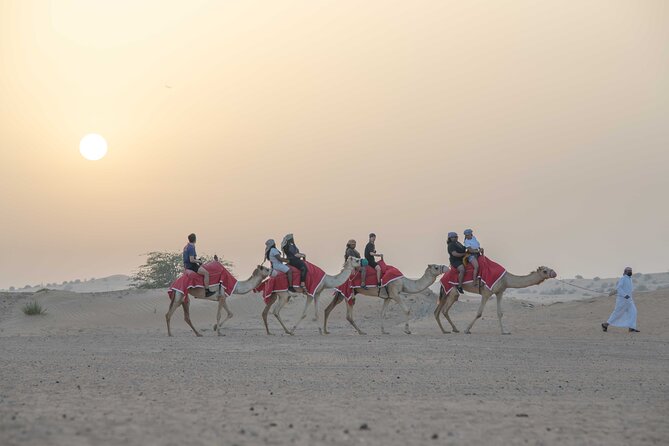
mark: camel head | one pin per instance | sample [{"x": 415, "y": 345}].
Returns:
[
  {"x": 352, "y": 262},
  {"x": 262, "y": 271},
  {"x": 436, "y": 270},
  {"x": 546, "y": 273}
]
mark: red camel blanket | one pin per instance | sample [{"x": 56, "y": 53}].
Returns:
[
  {"x": 489, "y": 271},
  {"x": 217, "y": 275},
  {"x": 315, "y": 277},
  {"x": 388, "y": 274}
]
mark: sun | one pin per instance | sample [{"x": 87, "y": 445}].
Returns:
[{"x": 93, "y": 147}]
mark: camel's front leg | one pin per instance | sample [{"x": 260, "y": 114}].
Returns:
[
  {"x": 479, "y": 313},
  {"x": 174, "y": 304},
  {"x": 383, "y": 314},
  {"x": 317, "y": 296},
  {"x": 451, "y": 298},
  {"x": 186, "y": 306},
  {"x": 304, "y": 312},
  {"x": 500, "y": 313},
  {"x": 437, "y": 311},
  {"x": 283, "y": 300},
  {"x": 349, "y": 318},
  {"x": 268, "y": 305},
  {"x": 338, "y": 297},
  {"x": 222, "y": 305},
  {"x": 398, "y": 299}
]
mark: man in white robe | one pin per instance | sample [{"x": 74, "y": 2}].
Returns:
[{"x": 624, "y": 315}]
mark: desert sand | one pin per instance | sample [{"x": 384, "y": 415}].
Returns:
[{"x": 98, "y": 368}]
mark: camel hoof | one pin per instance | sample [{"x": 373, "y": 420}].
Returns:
[
  {"x": 407, "y": 331},
  {"x": 445, "y": 332},
  {"x": 270, "y": 334},
  {"x": 290, "y": 333},
  {"x": 325, "y": 332},
  {"x": 468, "y": 332},
  {"x": 455, "y": 330},
  {"x": 362, "y": 333},
  {"x": 506, "y": 333},
  {"x": 199, "y": 335},
  {"x": 215, "y": 327},
  {"x": 315, "y": 319},
  {"x": 384, "y": 332}
]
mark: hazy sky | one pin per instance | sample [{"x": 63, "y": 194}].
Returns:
[{"x": 544, "y": 126}]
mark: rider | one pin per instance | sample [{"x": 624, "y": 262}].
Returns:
[
  {"x": 474, "y": 250},
  {"x": 192, "y": 263},
  {"x": 457, "y": 252},
  {"x": 370, "y": 254},
  {"x": 295, "y": 257},
  {"x": 352, "y": 252},
  {"x": 274, "y": 256}
]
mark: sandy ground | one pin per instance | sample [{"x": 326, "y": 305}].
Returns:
[{"x": 98, "y": 368}]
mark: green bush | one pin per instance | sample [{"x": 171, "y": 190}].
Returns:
[
  {"x": 162, "y": 268},
  {"x": 33, "y": 308}
]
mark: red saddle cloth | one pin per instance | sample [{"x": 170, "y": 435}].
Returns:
[
  {"x": 388, "y": 274},
  {"x": 489, "y": 271},
  {"x": 190, "y": 279},
  {"x": 315, "y": 277}
]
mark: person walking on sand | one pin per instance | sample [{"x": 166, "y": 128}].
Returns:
[{"x": 624, "y": 315}]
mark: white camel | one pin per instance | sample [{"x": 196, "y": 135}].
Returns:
[
  {"x": 243, "y": 287},
  {"x": 390, "y": 292},
  {"x": 284, "y": 296},
  {"x": 508, "y": 280}
]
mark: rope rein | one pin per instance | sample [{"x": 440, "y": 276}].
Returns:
[{"x": 586, "y": 289}]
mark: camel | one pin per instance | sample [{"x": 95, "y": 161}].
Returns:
[
  {"x": 508, "y": 280},
  {"x": 243, "y": 287},
  {"x": 390, "y": 292},
  {"x": 284, "y": 296}
]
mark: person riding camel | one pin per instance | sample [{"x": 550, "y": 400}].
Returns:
[
  {"x": 370, "y": 256},
  {"x": 474, "y": 250},
  {"x": 278, "y": 266},
  {"x": 352, "y": 252},
  {"x": 295, "y": 257},
  {"x": 456, "y": 253},
  {"x": 192, "y": 263}
]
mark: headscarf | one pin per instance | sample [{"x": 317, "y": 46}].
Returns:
[
  {"x": 350, "y": 242},
  {"x": 268, "y": 245},
  {"x": 285, "y": 240},
  {"x": 468, "y": 232},
  {"x": 452, "y": 234}
]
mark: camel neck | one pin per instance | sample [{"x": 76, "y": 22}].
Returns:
[
  {"x": 244, "y": 286},
  {"x": 333, "y": 281},
  {"x": 513, "y": 281},
  {"x": 417, "y": 285}
]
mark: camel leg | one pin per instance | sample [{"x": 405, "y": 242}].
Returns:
[
  {"x": 186, "y": 306},
  {"x": 222, "y": 305},
  {"x": 397, "y": 298},
  {"x": 451, "y": 298},
  {"x": 336, "y": 299},
  {"x": 383, "y": 315},
  {"x": 479, "y": 313},
  {"x": 268, "y": 305},
  {"x": 174, "y": 304},
  {"x": 304, "y": 313},
  {"x": 500, "y": 313},
  {"x": 437, "y": 312},
  {"x": 349, "y": 318},
  {"x": 316, "y": 296},
  {"x": 283, "y": 300}
]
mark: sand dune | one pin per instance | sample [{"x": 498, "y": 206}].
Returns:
[{"x": 99, "y": 369}]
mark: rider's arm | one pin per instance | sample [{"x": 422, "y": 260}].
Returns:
[{"x": 458, "y": 254}]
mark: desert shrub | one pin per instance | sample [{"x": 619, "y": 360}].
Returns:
[
  {"x": 578, "y": 276},
  {"x": 11, "y": 288},
  {"x": 33, "y": 308},
  {"x": 76, "y": 281},
  {"x": 162, "y": 268},
  {"x": 596, "y": 278}
]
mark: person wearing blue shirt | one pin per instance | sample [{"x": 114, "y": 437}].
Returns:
[
  {"x": 192, "y": 263},
  {"x": 474, "y": 250}
]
